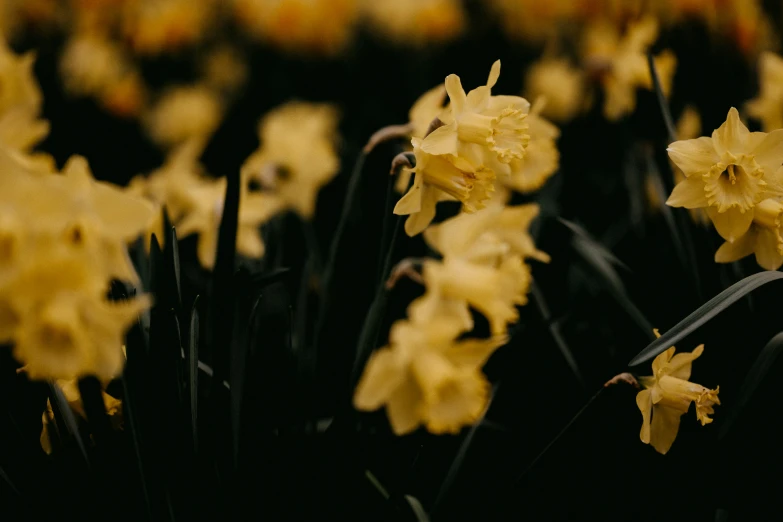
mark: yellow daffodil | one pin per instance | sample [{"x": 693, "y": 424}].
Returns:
[
  {"x": 561, "y": 84},
  {"x": 21, "y": 129},
  {"x": 91, "y": 64},
  {"x": 534, "y": 21},
  {"x": 493, "y": 291},
  {"x": 768, "y": 105},
  {"x": 183, "y": 113},
  {"x": 486, "y": 236},
  {"x": 62, "y": 326},
  {"x": 18, "y": 87},
  {"x": 621, "y": 63},
  {"x": 763, "y": 238},
  {"x": 155, "y": 26},
  {"x": 485, "y": 130},
  {"x": 442, "y": 177},
  {"x": 224, "y": 69},
  {"x": 415, "y": 22},
  {"x": 298, "y": 25},
  {"x": 426, "y": 377},
  {"x": 204, "y": 220},
  {"x": 667, "y": 394},
  {"x": 542, "y": 158},
  {"x": 297, "y": 154},
  {"x": 728, "y": 174}
]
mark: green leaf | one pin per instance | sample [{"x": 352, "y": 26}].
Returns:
[
  {"x": 757, "y": 372},
  {"x": 66, "y": 420},
  {"x": 704, "y": 313},
  {"x": 192, "y": 369},
  {"x": 417, "y": 508},
  {"x": 601, "y": 249}
]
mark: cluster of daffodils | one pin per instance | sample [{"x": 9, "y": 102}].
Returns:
[
  {"x": 62, "y": 241},
  {"x": 279, "y": 176},
  {"x": 477, "y": 151},
  {"x": 613, "y": 58},
  {"x": 430, "y": 374},
  {"x": 668, "y": 394},
  {"x": 735, "y": 176}
]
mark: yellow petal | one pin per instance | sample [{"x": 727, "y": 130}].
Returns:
[
  {"x": 443, "y": 140},
  {"x": 664, "y": 427},
  {"x": 688, "y": 193},
  {"x": 662, "y": 360},
  {"x": 410, "y": 203},
  {"x": 732, "y": 136},
  {"x": 383, "y": 374},
  {"x": 403, "y": 408},
  {"x": 474, "y": 353},
  {"x": 768, "y": 254},
  {"x": 695, "y": 156},
  {"x": 494, "y": 74},
  {"x": 769, "y": 152},
  {"x": 680, "y": 365},
  {"x": 742, "y": 247},
  {"x": 417, "y": 222},
  {"x": 456, "y": 93},
  {"x": 732, "y": 224},
  {"x": 644, "y": 403}
]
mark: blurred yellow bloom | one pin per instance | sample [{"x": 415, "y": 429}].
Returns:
[
  {"x": 299, "y": 25},
  {"x": 70, "y": 389},
  {"x": 542, "y": 158},
  {"x": 533, "y": 20},
  {"x": 425, "y": 376},
  {"x": 763, "y": 238},
  {"x": 442, "y": 177},
  {"x": 668, "y": 394},
  {"x": 728, "y": 174},
  {"x": 560, "y": 84},
  {"x": 204, "y": 220},
  {"x": 224, "y": 69},
  {"x": 155, "y": 26},
  {"x": 18, "y": 87},
  {"x": 62, "y": 326},
  {"x": 485, "y": 130},
  {"x": 90, "y": 64},
  {"x": 768, "y": 105},
  {"x": 183, "y": 113},
  {"x": 415, "y": 22},
  {"x": 297, "y": 155},
  {"x": 621, "y": 63},
  {"x": 486, "y": 237},
  {"x": 493, "y": 291}
]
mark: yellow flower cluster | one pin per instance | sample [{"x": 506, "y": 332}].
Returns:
[
  {"x": 297, "y": 155},
  {"x": 194, "y": 202},
  {"x": 735, "y": 175},
  {"x": 62, "y": 241},
  {"x": 426, "y": 375},
  {"x": 668, "y": 394},
  {"x": 415, "y": 22}
]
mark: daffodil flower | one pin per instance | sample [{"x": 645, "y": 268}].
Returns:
[
  {"x": 728, "y": 174},
  {"x": 486, "y": 130},
  {"x": 768, "y": 105},
  {"x": 438, "y": 178},
  {"x": 542, "y": 158},
  {"x": 763, "y": 238},
  {"x": 667, "y": 395},
  {"x": 426, "y": 377}
]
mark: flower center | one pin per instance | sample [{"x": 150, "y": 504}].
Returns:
[{"x": 734, "y": 186}]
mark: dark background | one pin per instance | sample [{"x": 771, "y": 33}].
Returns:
[{"x": 597, "y": 470}]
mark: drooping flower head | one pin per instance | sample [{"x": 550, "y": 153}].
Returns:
[{"x": 667, "y": 395}]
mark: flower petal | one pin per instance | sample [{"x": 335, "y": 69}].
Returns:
[
  {"x": 404, "y": 408},
  {"x": 693, "y": 156},
  {"x": 688, "y": 193},
  {"x": 410, "y": 203},
  {"x": 442, "y": 140},
  {"x": 644, "y": 402},
  {"x": 383, "y": 374},
  {"x": 662, "y": 360},
  {"x": 742, "y": 247},
  {"x": 732, "y": 136},
  {"x": 769, "y": 152},
  {"x": 664, "y": 427},
  {"x": 680, "y": 365},
  {"x": 417, "y": 222},
  {"x": 456, "y": 93},
  {"x": 732, "y": 224},
  {"x": 767, "y": 254},
  {"x": 494, "y": 74}
]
